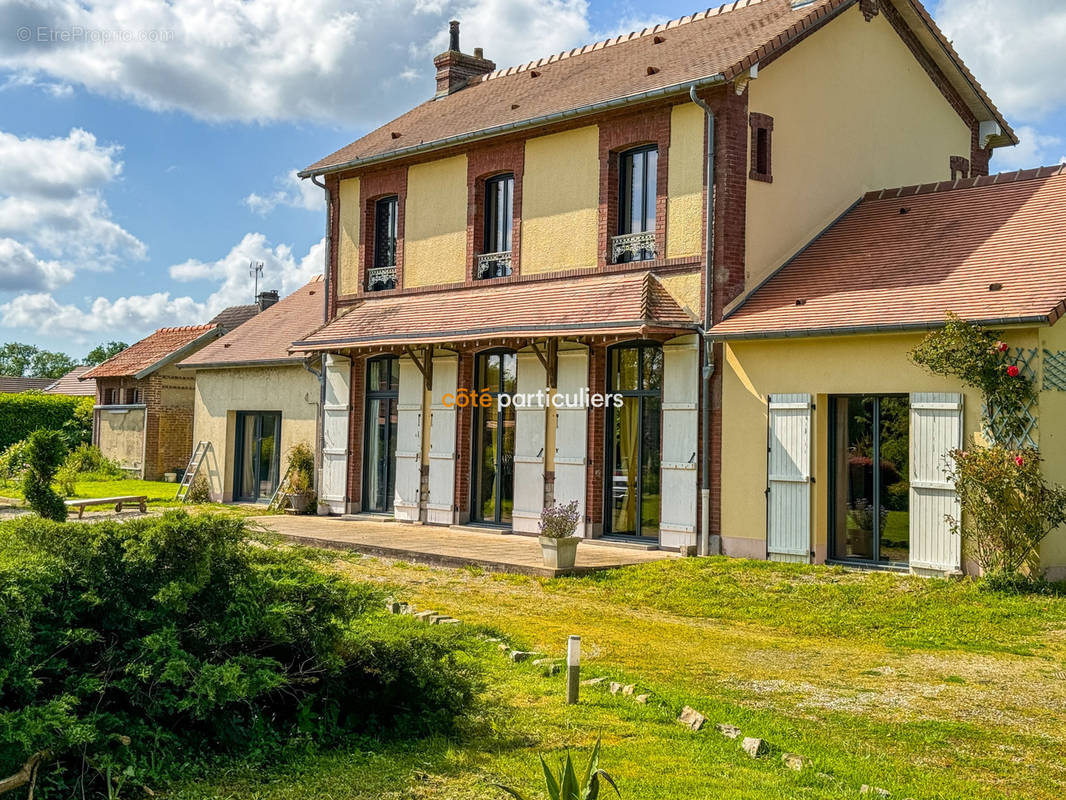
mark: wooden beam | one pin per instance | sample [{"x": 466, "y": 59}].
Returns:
[{"x": 425, "y": 365}]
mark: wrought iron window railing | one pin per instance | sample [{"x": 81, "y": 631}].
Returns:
[
  {"x": 378, "y": 278},
  {"x": 633, "y": 247},
  {"x": 493, "y": 265}
]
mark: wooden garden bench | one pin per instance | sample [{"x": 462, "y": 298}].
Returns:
[{"x": 141, "y": 501}]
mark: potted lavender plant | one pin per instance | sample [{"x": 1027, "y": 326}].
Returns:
[{"x": 558, "y": 545}]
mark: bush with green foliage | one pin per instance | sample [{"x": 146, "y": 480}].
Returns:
[
  {"x": 90, "y": 464},
  {"x": 22, "y": 414},
  {"x": 13, "y": 463},
  {"x": 152, "y": 648},
  {"x": 199, "y": 490},
  {"x": 1007, "y": 508},
  {"x": 45, "y": 451}
]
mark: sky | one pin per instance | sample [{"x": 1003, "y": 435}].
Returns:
[{"x": 148, "y": 149}]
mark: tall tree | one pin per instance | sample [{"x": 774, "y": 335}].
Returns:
[
  {"x": 102, "y": 352},
  {"x": 16, "y": 358},
  {"x": 47, "y": 364}
]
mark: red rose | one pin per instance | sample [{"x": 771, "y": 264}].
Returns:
[
  {"x": 1012, "y": 371},
  {"x": 1002, "y": 347},
  {"x": 1019, "y": 460}
]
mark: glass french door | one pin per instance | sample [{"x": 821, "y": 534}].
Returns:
[
  {"x": 871, "y": 493},
  {"x": 258, "y": 450},
  {"x": 636, "y": 372},
  {"x": 382, "y": 396},
  {"x": 496, "y": 373}
]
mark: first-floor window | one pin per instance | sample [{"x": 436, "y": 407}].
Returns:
[{"x": 870, "y": 451}]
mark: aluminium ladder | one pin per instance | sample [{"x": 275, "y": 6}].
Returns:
[{"x": 195, "y": 462}]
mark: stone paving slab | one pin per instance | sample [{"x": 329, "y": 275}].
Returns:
[{"x": 447, "y": 547}]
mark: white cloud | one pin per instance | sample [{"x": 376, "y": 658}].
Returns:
[
  {"x": 349, "y": 62},
  {"x": 1014, "y": 49},
  {"x": 51, "y": 201},
  {"x": 1033, "y": 150},
  {"x": 291, "y": 192},
  {"x": 21, "y": 270},
  {"x": 134, "y": 316}
]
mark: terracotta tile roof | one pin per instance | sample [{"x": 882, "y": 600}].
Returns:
[
  {"x": 233, "y": 317},
  {"x": 723, "y": 41},
  {"x": 621, "y": 302},
  {"x": 153, "y": 351},
  {"x": 266, "y": 337},
  {"x": 902, "y": 258},
  {"x": 72, "y": 385},
  {"x": 13, "y": 384}
]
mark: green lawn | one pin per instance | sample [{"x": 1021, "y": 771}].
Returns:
[
  {"x": 930, "y": 689},
  {"x": 160, "y": 495}
]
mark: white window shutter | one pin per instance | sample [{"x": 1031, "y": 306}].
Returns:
[
  {"x": 333, "y": 481},
  {"x": 440, "y": 507},
  {"x": 788, "y": 495},
  {"x": 571, "y": 434},
  {"x": 408, "y": 490},
  {"x": 529, "y": 447},
  {"x": 936, "y": 430},
  {"x": 681, "y": 387}
]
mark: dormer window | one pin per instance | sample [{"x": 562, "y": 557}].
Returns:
[
  {"x": 383, "y": 274},
  {"x": 637, "y": 174},
  {"x": 495, "y": 258}
]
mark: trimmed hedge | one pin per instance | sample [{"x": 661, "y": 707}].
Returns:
[{"x": 22, "y": 414}]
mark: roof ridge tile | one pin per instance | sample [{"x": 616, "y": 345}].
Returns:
[{"x": 977, "y": 181}]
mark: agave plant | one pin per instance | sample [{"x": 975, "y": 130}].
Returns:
[{"x": 565, "y": 785}]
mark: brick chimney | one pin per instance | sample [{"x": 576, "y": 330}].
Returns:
[
  {"x": 266, "y": 299},
  {"x": 454, "y": 68}
]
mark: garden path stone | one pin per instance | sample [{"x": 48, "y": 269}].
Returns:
[
  {"x": 794, "y": 761},
  {"x": 691, "y": 718},
  {"x": 755, "y": 747},
  {"x": 727, "y": 730}
]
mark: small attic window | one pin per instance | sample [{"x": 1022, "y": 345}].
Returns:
[{"x": 762, "y": 129}]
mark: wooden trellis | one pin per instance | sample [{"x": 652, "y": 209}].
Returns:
[{"x": 1025, "y": 358}]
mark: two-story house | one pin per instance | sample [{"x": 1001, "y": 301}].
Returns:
[{"x": 575, "y": 226}]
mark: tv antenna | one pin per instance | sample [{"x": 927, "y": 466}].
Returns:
[{"x": 255, "y": 269}]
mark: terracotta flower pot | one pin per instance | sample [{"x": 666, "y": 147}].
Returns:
[{"x": 559, "y": 553}]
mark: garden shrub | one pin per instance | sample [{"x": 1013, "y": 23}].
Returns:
[
  {"x": 45, "y": 451},
  {"x": 1007, "y": 508},
  {"x": 199, "y": 490},
  {"x": 152, "y": 648},
  {"x": 22, "y": 414},
  {"x": 89, "y": 463},
  {"x": 13, "y": 463}
]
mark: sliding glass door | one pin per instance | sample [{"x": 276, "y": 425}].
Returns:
[
  {"x": 258, "y": 456},
  {"x": 870, "y": 520}
]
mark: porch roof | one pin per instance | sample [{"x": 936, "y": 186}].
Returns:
[
  {"x": 989, "y": 249},
  {"x": 630, "y": 302}
]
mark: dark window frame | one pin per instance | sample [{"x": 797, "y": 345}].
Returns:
[
  {"x": 494, "y": 233},
  {"x": 627, "y": 160},
  {"x": 386, "y": 257},
  {"x": 475, "y": 435},
  {"x": 833, "y": 488},
  {"x": 378, "y": 394},
  {"x": 608, "y": 439},
  {"x": 762, "y": 138}
]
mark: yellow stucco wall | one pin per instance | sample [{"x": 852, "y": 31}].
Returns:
[
  {"x": 684, "y": 287},
  {"x": 1053, "y": 447},
  {"x": 819, "y": 367},
  {"x": 221, "y": 393},
  {"x": 434, "y": 247},
  {"x": 853, "y": 111},
  {"x": 560, "y": 201},
  {"x": 348, "y": 240},
  {"x": 684, "y": 199}
]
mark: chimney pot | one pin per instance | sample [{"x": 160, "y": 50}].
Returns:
[
  {"x": 456, "y": 69},
  {"x": 479, "y": 52},
  {"x": 266, "y": 299},
  {"x": 453, "y": 30}
]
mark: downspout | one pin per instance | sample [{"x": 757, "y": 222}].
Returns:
[
  {"x": 320, "y": 430},
  {"x": 704, "y": 548}
]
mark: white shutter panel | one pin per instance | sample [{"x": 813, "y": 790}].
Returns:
[
  {"x": 681, "y": 386},
  {"x": 936, "y": 429},
  {"x": 788, "y": 497},
  {"x": 441, "y": 502},
  {"x": 408, "y": 491},
  {"x": 571, "y": 434},
  {"x": 333, "y": 481},
  {"x": 529, "y": 448}
]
